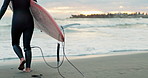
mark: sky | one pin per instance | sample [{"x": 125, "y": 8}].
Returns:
[{"x": 65, "y": 8}]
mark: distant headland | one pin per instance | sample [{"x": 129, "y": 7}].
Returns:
[{"x": 111, "y": 15}]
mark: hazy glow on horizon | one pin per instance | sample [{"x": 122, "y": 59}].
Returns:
[
  {"x": 91, "y": 12},
  {"x": 128, "y": 12},
  {"x": 65, "y": 8},
  {"x": 72, "y": 10},
  {"x": 120, "y": 6},
  {"x": 88, "y": 7}
]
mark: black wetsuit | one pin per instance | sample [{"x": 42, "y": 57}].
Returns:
[{"x": 22, "y": 23}]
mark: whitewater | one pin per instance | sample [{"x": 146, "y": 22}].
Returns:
[{"x": 92, "y": 36}]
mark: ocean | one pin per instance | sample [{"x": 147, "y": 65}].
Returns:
[{"x": 92, "y": 37}]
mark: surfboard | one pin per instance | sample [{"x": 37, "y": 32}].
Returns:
[{"x": 44, "y": 21}]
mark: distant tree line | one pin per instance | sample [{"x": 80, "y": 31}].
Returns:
[{"x": 111, "y": 15}]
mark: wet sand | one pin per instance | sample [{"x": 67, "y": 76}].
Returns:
[{"x": 133, "y": 65}]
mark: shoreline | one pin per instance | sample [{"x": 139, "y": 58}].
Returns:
[
  {"x": 53, "y": 59},
  {"x": 133, "y": 65}
]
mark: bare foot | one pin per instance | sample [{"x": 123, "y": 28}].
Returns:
[
  {"x": 22, "y": 62},
  {"x": 28, "y": 70}
]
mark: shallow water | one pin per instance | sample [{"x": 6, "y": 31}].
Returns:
[{"x": 93, "y": 36}]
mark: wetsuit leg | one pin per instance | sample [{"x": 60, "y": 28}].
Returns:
[
  {"x": 28, "y": 56},
  {"x": 27, "y": 35},
  {"x": 15, "y": 42}
]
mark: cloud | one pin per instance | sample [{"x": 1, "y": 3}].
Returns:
[
  {"x": 69, "y": 7},
  {"x": 75, "y": 6}
]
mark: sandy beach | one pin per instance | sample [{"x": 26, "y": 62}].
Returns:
[{"x": 114, "y": 66}]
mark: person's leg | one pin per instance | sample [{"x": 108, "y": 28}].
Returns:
[
  {"x": 28, "y": 56},
  {"x": 27, "y": 35},
  {"x": 17, "y": 49}
]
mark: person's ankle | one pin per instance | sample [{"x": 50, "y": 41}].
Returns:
[
  {"x": 28, "y": 70},
  {"x": 22, "y": 59}
]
